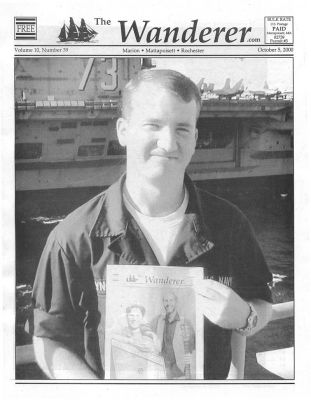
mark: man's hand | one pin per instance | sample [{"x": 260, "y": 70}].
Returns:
[
  {"x": 221, "y": 305},
  {"x": 142, "y": 346}
]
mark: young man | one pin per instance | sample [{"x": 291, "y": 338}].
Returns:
[
  {"x": 140, "y": 359},
  {"x": 152, "y": 215},
  {"x": 137, "y": 332}
]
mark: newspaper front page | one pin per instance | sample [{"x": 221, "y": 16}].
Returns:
[
  {"x": 67, "y": 75},
  {"x": 142, "y": 301}
]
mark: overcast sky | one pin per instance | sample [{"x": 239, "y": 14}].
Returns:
[{"x": 255, "y": 71}]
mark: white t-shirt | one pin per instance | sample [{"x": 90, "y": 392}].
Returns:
[{"x": 161, "y": 232}]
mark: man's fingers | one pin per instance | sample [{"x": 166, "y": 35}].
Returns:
[
  {"x": 210, "y": 283},
  {"x": 210, "y": 288},
  {"x": 205, "y": 292}
]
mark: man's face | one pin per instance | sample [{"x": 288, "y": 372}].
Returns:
[
  {"x": 169, "y": 303},
  {"x": 134, "y": 318},
  {"x": 159, "y": 132}
]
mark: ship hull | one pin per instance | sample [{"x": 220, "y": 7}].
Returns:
[
  {"x": 68, "y": 151},
  {"x": 105, "y": 172}
]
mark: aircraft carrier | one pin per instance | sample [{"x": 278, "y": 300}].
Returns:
[{"x": 66, "y": 111}]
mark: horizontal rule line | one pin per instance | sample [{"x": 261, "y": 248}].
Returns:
[
  {"x": 155, "y": 382},
  {"x": 165, "y": 45},
  {"x": 160, "y": 56}
]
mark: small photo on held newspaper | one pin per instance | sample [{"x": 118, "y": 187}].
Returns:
[{"x": 153, "y": 327}]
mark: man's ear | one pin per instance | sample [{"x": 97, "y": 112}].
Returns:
[
  {"x": 122, "y": 127},
  {"x": 196, "y": 134}
]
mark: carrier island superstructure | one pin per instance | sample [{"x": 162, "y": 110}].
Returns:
[{"x": 65, "y": 135}]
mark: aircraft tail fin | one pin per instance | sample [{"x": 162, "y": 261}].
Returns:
[
  {"x": 208, "y": 88},
  {"x": 200, "y": 83},
  {"x": 227, "y": 84},
  {"x": 238, "y": 85}
]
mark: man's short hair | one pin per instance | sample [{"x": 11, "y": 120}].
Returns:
[
  {"x": 168, "y": 79},
  {"x": 169, "y": 293},
  {"x": 141, "y": 308}
]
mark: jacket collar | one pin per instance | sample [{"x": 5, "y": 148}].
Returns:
[
  {"x": 113, "y": 218},
  {"x": 195, "y": 210},
  {"x": 171, "y": 318}
]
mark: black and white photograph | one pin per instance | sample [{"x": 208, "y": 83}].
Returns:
[
  {"x": 153, "y": 329},
  {"x": 132, "y": 162}
]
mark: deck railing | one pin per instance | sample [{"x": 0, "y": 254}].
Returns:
[
  {"x": 238, "y": 342},
  {"x": 25, "y": 354}
]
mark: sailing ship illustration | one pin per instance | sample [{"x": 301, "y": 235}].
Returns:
[{"x": 82, "y": 33}]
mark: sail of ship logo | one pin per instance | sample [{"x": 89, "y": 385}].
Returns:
[
  {"x": 75, "y": 33},
  {"x": 131, "y": 278}
]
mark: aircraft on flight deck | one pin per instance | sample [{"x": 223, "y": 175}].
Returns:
[
  {"x": 203, "y": 88},
  {"x": 266, "y": 93},
  {"x": 227, "y": 93},
  {"x": 286, "y": 95}
]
